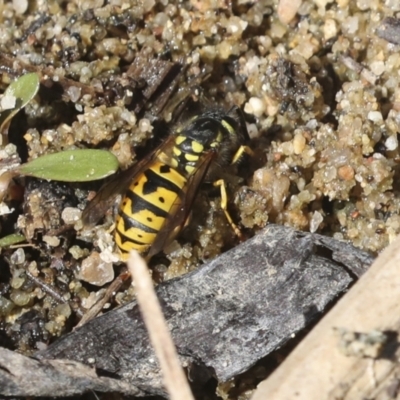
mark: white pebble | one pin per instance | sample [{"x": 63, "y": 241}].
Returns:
[
  {"x": 20, "y": 6},
  {"x": 378, "y": 67},
  {"x": 330, "y": 29},
  {"x": 330, "y": 173},
  {"x": 375, "y": 116},
  {"x": 287, "y": 10},
  {"x": 145, "y": 125},
  {"x": 18, "y": 257},
  {"x": 391, "y": 143},
  {"x": 71, "y": 214},
  {"x": 299, "y": 142},
  {"x": 7, "y": 102},
  {"x": 253, "y": 131},
  {"x": 4, "y": 209},
  {"x": 255, "y": 106},
  {"x": 315, "y": 222},
  {"x": 52, "y": 241},
  {"x": 74, "y": 93}
]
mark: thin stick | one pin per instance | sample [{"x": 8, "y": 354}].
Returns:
[
  {"x": 97, "y": 307},
  {"x": 174, "y": 378}
]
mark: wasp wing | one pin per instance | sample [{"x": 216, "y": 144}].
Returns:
[
  {"x": 182, "y": 207},
  {"x": 118, "y": 185}
]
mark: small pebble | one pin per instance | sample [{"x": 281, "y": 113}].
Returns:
[
  {"x": 316, "y": 221},
  {"x": 375, "y": 116},
  {"x": 287, "y": 10},
  {"x": 6, "y": 306},
  {"x": 255, "y": 106},
  {"x": 392, "y": 143},
  {"x": 330, "y": 29},
  {"x": 20, "y": 298},
  {"x": 95, "y": 271},
  {"x": 18, "y": 257},
  {"x": 20, "y": 6},
  {"x": 299, "y": 143},
  {"x": 70, "y": 215},
  {"x": 7, "y": 102},
  {"x": 52, "y": 241},
  {"x": 346, "y": 172},
  {"x": 145, "y": 125}
]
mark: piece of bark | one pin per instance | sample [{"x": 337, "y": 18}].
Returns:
[
  {"x": 319, "y": 368},
  {"x": 389, "y": 30},
  {"x": 155, "y": 72},
  {"x": 24, "y": 376},
  {"x": 226, "y": 315}
]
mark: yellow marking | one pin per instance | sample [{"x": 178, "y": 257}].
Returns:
[
  {"x": 173, "y": 163},
  {"x": 180, "y": 139},
  {"x": 145, "y": 217},
  {"x": 224, "y": 206},
  {"x": 217, "y": 141},
  {"x": 171, "y": 176},
  {"x": 197, "y": 147},
  {"x": 191, "y": 157},
  {"x": 149, "y": 219},
  {"x": 136, "y": 234},
  {"x": 128, "y": 246},
  {"x": 228, "y": 127},
  {"x": 189, "y": 169},
  {"x": 176, "y": 151},
  {"x": 162, "y": 198},
  {"x": 248, "y": 150},
  {"x": 126, "y": 208},
  {"x": 239, "y": 153}
]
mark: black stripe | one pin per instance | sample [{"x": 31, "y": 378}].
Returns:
[
  {"x": 165, "y": 169},
  {"x": 154, "y": 181},
  {"x": 140, "y": 204},
  {"x": 133, "y": 223},
  {"x": 125, "y": 239}
]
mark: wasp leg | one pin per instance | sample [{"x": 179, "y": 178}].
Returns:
[
  {"x": 111, "y": 228},
  {"x": 224, "y": 206},
  {"x": 242, "y": 150}
]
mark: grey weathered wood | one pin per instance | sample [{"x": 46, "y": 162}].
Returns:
[
  {"x": 389, "y": 30},
  {"x": 227, "y": 314},
  {"x": 329, "y": 363},
  {"x": 24, "y": 376}
]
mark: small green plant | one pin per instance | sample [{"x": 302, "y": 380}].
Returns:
[
  {"x": 80, "y": 165},
  {"x": 17, "y": 95}
]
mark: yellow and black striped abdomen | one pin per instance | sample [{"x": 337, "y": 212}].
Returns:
[{"x": 146, "y": 205}]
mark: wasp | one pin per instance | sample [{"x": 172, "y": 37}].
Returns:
[{"x": 159, "y": 191}]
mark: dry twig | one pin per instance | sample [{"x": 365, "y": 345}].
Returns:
[{"x": 174, "y": 378}]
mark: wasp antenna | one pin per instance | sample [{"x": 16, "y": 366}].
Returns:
[{"x": 237, "y": 112}]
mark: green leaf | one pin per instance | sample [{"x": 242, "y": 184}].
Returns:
[
  {"x": 23, "y": 90},
  {"x": 82, "y": 165},
  {"x": 9, "y": 240}
]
